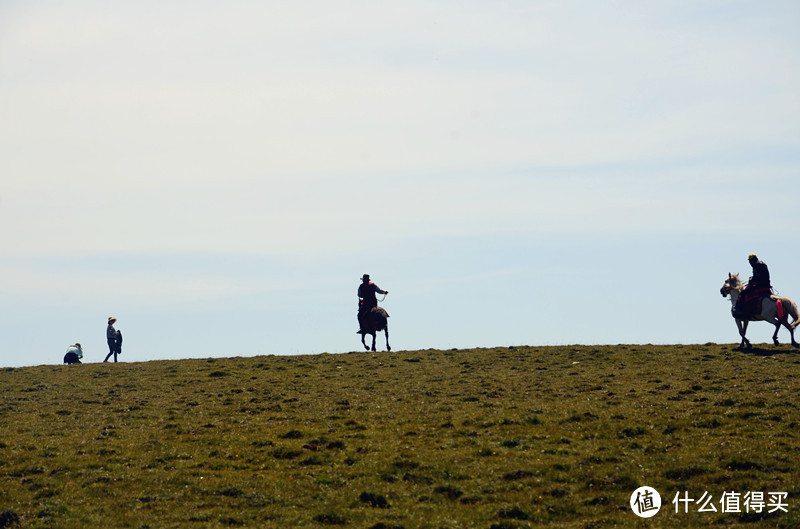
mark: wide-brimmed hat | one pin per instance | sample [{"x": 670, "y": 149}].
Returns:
[
  {"x": 365, "y": 277},
  {"x": 112, "y": 319}
]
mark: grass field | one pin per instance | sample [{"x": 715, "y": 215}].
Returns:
[{"x": 487, "y": 438}]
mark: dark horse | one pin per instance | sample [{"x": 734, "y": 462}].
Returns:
[{"x": 375, "y": 320}]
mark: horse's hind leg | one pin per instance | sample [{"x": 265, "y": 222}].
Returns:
[
  {"x": 790, "y": 326},
  {"x": 373, "y": 342},
  {"x": 791, "y": 333},
  {"x": 386, "y": 331}
]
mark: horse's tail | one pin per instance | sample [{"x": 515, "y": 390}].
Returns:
[{"x": 791, "y": 308}]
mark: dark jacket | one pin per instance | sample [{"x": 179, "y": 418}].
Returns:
[
  {"x": 367, "y": 291},
  {"x": 760, "y": 277}
]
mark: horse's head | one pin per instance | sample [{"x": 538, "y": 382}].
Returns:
[{"x": 732, "y": 283}]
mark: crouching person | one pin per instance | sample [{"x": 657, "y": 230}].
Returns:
[{"x": 74, "y": 354}]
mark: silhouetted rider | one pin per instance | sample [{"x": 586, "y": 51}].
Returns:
[
  {"x": 758, "y": 286},
  {"x": 367, "y": 298},
  {"x": 760, "y": 277}
]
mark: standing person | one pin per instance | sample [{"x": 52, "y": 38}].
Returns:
[
  {"x": 111, "y": 338},
  {"x": 367, "y": 299}
]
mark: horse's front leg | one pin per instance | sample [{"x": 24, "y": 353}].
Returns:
[
  {"x": 386, "y": 331},
  {"x": 742, "y": 326},
  {"x": 363, "y": 335}
]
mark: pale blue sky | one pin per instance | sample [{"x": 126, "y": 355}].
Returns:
[{"x": 218, "y": 176}]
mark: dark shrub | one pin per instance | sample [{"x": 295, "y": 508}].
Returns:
[
  {"x": 292, "y": 434},
  {"x": 373, "y": 500},
  {"x": 330, "y": 519},
  {"x": 8, "y": 518},
  {"x": 514, "y": 513},
  {"x": 451, "y": 492}
]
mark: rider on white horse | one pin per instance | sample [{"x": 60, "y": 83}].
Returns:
[{"x": 770, "y": 308}]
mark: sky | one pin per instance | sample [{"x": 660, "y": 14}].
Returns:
[{"x": 219, "y": 175}]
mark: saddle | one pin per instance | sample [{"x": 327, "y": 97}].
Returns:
[
  {"x": 375, "y": 309},
  {"x": 748, "y": 304}
]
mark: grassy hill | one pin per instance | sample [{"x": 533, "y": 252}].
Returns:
[{"x": 488, "y": 438}]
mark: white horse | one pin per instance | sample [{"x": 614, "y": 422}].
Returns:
[{"x": 774, "y": 309}]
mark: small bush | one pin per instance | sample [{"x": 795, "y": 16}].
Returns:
[
  {"x": 8, "y": 518},
  {"x": 503, "y": 525},
  {"x": 514, "y": 513},
  {"x": 633, "y": 432},
  {"x": 373, "y": 500},
  {"x": 737, "y": 464},
  {"x": 680, "y": 474},
  {"x": 292, "y": 434},
  {"x": 283, "y": 453},
  {"x": 452, "y": 493},
  {"x": 517, "y": 475},
  {"x": 330, "y": 519},
  {"x": 403, "y": 464},
  {"x": 231, "y": 492},
  {"x": 312, "y": 461}
]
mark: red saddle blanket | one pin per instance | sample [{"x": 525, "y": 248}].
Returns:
[{"x": 750, "y": 302}]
